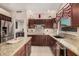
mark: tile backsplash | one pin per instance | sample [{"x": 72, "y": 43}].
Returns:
[
  {"x": 31, "y": 30},
  {"x": 44, "y": 31}
]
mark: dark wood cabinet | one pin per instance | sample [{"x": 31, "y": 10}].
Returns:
[
  {"x": 28, "y": 48},
  {"x": 75, "y": 14},
  {"x": 53, "y": 46},
  {"x": 31, "y": 23},
  {"x": 54, "y": 49},
  {"x": 48, "y": 23},
  {"x": 61, "y": 50},
  {"x": 44, "y": 40},
  {"x": 36, "y": 40},
  {"x": 39, "y": 21},
  {"x": 4, "y": 17},
  {"x": 24, "y": 50},
  {"x": 41, "y": 40},
  {"x": 57, "y": 48},
  {"x": 70, "y": 53}
]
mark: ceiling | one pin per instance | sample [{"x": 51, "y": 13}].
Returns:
[{"x": 30, "y": 6}]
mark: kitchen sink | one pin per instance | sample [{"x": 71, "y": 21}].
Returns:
[{"x": 58, "y": 37}]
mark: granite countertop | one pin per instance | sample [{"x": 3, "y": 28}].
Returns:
[
  {"x": 11, "y": 49},
  {"x": 70, "y": 43}
]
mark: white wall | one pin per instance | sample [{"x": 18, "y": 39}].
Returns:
[
  {"x": 44, "y": 14},
  {"x": 20, "y": 16},
  {"x": 2, "y": 11}
]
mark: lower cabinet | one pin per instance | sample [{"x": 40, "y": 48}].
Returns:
[
  {"x": 53, "y": 46},
  {"x": 70, "y": 53},
  {"x": 28, "y": 48},
  {"x": 45, "y": 40},
  {"x": 40, "y": 40},
  {"x": 37, "y": 40},
  {"x": 61, "y": 50},
  {"x": 25, "y": 50}
]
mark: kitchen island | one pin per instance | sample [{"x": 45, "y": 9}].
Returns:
[
  {"x": 21, "y": 48},
  {"x": 70, "y": 42}
]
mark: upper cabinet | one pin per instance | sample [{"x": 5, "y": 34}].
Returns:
[
  {"x": 75, "y": 14},
  {"x": 5, "y": 18},
  {"x": 31, "y": 23},
  {"x": 47, "y": 23},
  {"x": 69, "y": 15}
]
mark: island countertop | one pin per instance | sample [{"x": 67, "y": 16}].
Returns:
[
  {"x": 11, "y": 49},
  {"x": 70, "y": 43}
]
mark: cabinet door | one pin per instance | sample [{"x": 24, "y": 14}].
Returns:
[
  {"x": 39, "y": 40},
  {"x": 31, "y": 24},
  {"x": 28, "y": 48},
  {"x": 70, "y": 53},
  {"x": 42, "y": 40},
  {"x": 49, "y": 23},
  {"x": 48, "y": 40},
  {"x": 39, "y": 21},
  {"x": 36, "y": 40},
  {"x": 75, "y": 14},
  {"x": 33, "y": 40},
  {"x": 53, "y": 45},
  {"x": 54, "y": 48}
]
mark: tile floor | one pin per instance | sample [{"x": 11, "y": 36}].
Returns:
[{"x": 41, "y": 51}]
